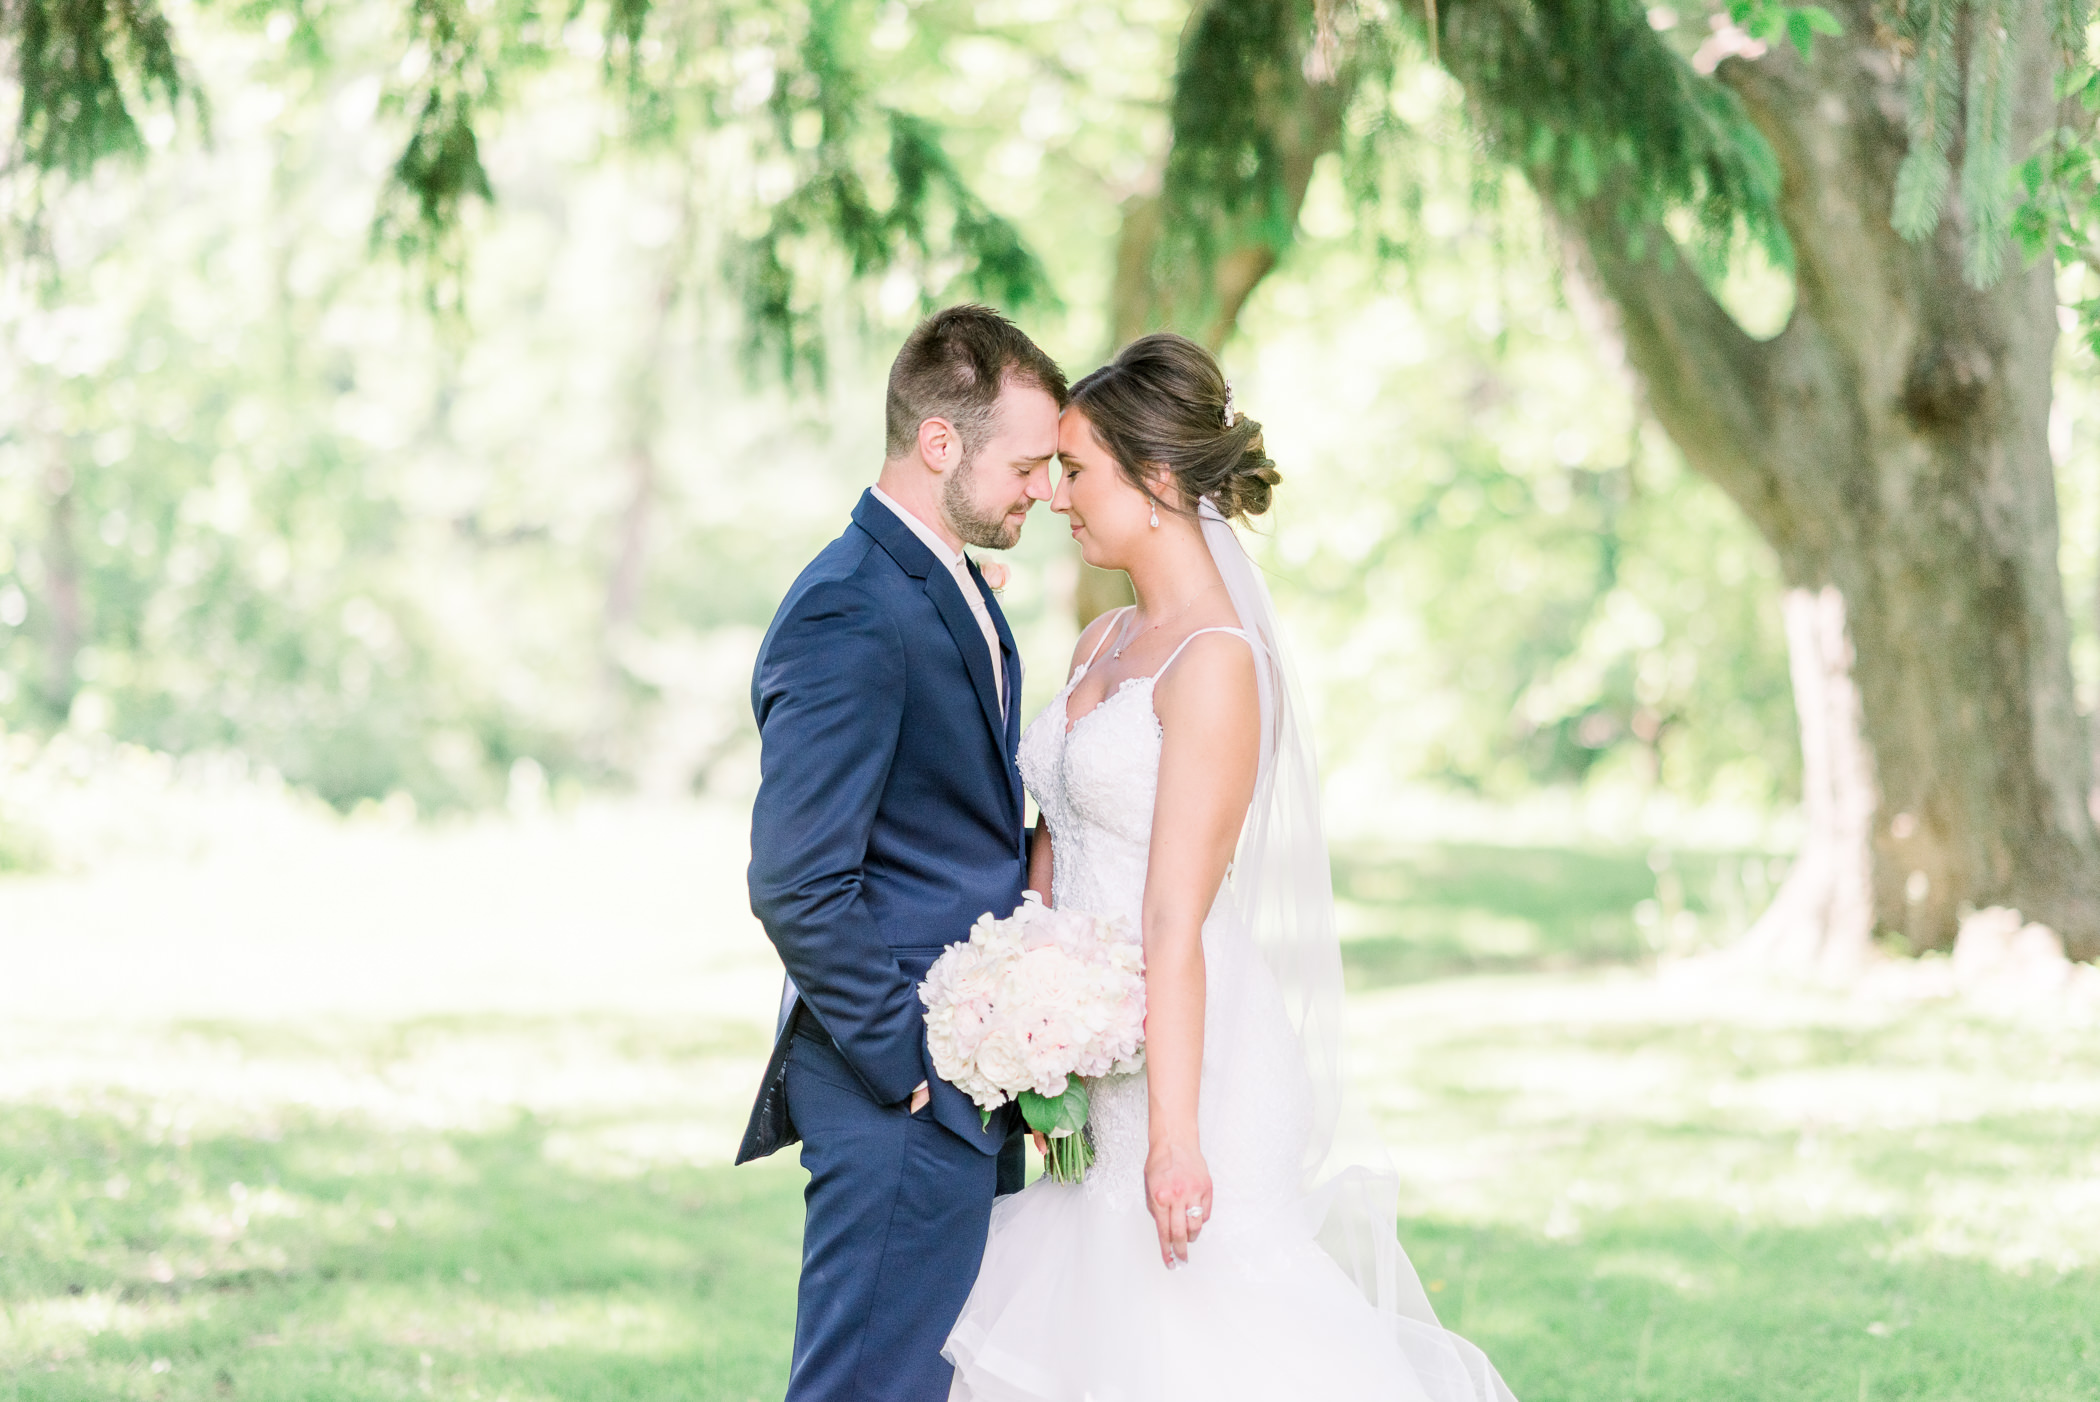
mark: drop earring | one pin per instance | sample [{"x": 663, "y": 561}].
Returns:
[{"x": 1155, "y": 515}]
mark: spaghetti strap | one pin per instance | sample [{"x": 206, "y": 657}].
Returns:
[
  {"x": 1102, "y": 641},
  {"x": 1239, "y": 633}
]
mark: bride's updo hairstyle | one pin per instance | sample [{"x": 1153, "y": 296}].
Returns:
[{"x": 1163, "y": 402}]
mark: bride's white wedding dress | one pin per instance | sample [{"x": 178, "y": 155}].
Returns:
[{"x": 1073, "y": 1302}]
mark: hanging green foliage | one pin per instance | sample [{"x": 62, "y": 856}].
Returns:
[
  {"x": 2033, "y": 199},
  {"x": 1593, "y": 102},
  {"x": 440, "y": 168},
  {"x": 870, "y": 180},
  {"x": 1986, "y": 186},
  {"x": 1588, "y": 98},
  {"x": 1933, "y": 92},
  {"x": 875, "y": 186},
  {"x": 1225, "y": 165},
  {"x": 83, "y": 65},
  {"x": 2058, "y": 214},
  {"x": 2059, "y": 211},
  {"x": 1584, "y": 96}
]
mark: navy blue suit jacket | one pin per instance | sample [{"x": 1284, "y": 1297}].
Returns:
[{"x": 889, "y": 811}]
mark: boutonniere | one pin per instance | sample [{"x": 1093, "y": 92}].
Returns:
[{"x": 995, "y": 574}]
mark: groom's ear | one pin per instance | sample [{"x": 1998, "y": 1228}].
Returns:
[{"x": 939, "y": 444}]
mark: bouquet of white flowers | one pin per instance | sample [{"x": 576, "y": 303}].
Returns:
[{"x": 1030, "y": 1004}]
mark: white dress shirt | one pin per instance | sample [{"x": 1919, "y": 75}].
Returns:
[{"x": 957, "y": 566}]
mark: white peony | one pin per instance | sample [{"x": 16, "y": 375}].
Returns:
[{"x": 1030, "y": 1001}]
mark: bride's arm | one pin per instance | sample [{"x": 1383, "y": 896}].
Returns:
[{"x": 1210, "y": 717}]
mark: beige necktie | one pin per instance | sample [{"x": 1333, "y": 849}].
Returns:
[{"x": 975, "y": 599}]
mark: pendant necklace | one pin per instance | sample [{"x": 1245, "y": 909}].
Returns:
[{"x": 1115, "y": 653}]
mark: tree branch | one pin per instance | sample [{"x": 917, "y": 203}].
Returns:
[
  {"x": 1706, "y": 379},
  {"x": 1250, "y": 126}
]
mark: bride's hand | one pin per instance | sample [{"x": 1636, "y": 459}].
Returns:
[{"x": 1177, "y": 1190}]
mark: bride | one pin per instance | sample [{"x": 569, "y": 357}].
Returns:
[{"x": 1220, "y": 1247}]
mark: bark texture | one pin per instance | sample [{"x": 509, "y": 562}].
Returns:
[{"x": 1891, "y": 443}]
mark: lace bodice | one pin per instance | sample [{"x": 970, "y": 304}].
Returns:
[
  {"x": 1073, "y": 1301},
  {"x": 1097, "y": 782},
  {"x": 1097, "y": 794}
]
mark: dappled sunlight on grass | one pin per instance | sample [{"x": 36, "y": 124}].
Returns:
[
  {"x": 1548, "y": 1103},
  {"x": 1704, "y": 1304},
  {"x": 459, "y": 1154},
  {"x": 1429, "y": 910},
  {"x": 381, "y": 1246}
]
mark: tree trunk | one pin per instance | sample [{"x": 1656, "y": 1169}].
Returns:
[
  {"x": 645, "y": 415},
  {"x": 1822, "y": 920},
  {"x": 1301, "y": 117},
  {"x": 61, "y": 571},
  {"x": 1892, "y": 446}
]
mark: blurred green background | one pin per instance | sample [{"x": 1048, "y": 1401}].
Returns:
[{"x": 379, "y": 1000}]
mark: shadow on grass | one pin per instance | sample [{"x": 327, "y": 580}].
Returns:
[
  {"x": 1706, "y": 1307},
  {"x": 341, "y": 1262},
  {"x": 1422, "y": 912}
]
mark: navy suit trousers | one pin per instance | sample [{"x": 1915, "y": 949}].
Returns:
[{"x": 897, "y": 1211}]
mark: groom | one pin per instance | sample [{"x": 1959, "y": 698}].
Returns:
[{"x": 888, "y": 819}]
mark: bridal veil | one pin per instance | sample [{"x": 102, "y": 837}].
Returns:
[{"x": 1281, "y": 894}]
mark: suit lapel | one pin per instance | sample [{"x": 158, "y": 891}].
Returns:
[
  {"x": 938, "y": 582},
  {"x": 969, "y": 640}
]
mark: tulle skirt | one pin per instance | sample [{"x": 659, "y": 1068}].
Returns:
[{"x": 1074, "y": 1305}]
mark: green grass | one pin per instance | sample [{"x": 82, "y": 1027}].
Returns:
[
  {"x": 1710, "y": 1306},
  {"x": 334, "y": 1260},
  {"x": 383, "y": 1171},
  {"x": 1432, "y": 911}
]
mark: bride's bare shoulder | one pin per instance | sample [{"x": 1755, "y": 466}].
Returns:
[{"x": 1211, "y": 684}]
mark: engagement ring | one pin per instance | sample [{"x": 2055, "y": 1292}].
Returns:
[{"x": 1195, "y": 1214}]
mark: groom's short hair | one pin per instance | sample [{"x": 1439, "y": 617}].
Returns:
[{"x": 953, "y": 366}]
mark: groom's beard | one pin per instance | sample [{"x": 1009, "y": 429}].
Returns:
[{"x": 986, "y": 532}]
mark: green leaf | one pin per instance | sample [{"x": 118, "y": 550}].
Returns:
[
  {"x": 1799, "y": 34},
  {"x": 1805, "y": 23},
  {"x": 1061, "y": 1114}
]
